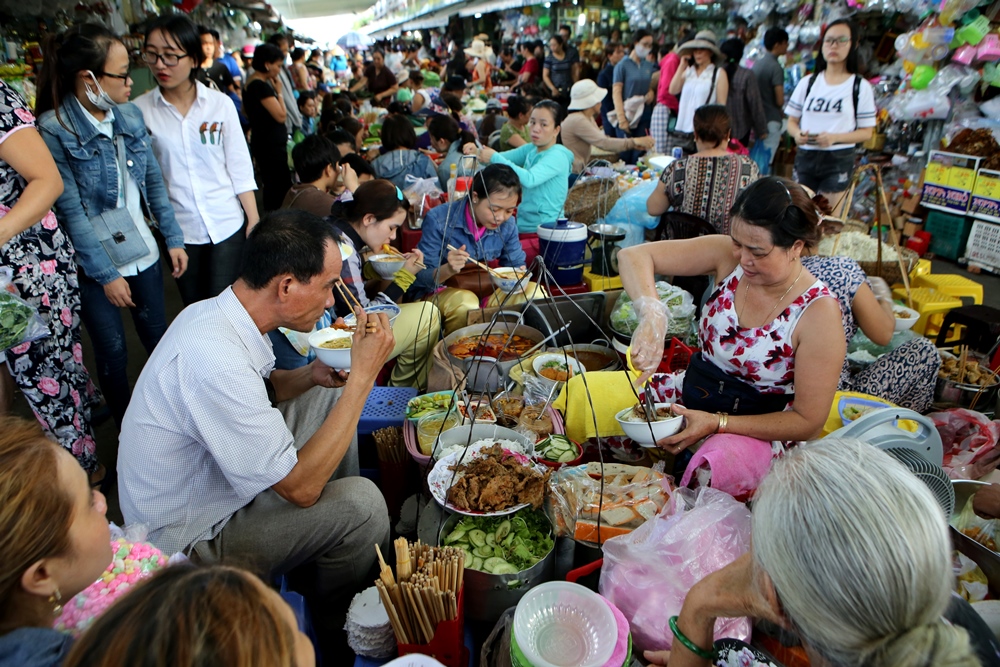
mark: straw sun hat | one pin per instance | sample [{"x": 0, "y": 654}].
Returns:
[
  {"x": 477, "y": 50},
  {"x": 705, "y": 39},
  {"x": 585, "y": 94}
]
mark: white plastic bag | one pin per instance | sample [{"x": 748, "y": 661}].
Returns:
[
  {"x": 648, "y": 573},
  {"x": 19, "y": 320}
]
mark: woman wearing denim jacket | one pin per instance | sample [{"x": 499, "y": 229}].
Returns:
[{"x": 84, "y": 110}]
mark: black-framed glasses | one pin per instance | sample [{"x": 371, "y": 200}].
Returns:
[
  {"x": 122, "y": 77},
  {"x": 169, "y": 59},
  {"x": 837, "y": 41}
]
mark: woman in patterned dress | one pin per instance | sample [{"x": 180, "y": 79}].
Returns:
[
  {"x": 771, "y": 339},
  {"x": 707, "y": 183},
  {"x": 49, "y": 371}
]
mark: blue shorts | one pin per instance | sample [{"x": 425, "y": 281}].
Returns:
[{"x": 824, "y": 171}]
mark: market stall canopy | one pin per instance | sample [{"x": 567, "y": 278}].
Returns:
[
  {"x": 487, "y": 6},
  {"x": 435, "y": 16},
  {"x": 305, "y": 9}
]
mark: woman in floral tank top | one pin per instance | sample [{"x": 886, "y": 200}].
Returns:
[{"x": 771, "y": 336}]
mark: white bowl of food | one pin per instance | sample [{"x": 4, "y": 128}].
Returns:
[
  {"x": 905, "y": 317},
  {"x": 646, "y": 433},
  {"x": 561, "y": 623},
  {"x": 333, "y": 347},
  {"x": 386, "y": 266},
  {"x": 391, "y": 311},
  {"x": 510, "y": 279},
  {"x": 554, "y": 368}
]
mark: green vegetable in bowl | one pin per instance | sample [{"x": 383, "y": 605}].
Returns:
[
  {"x": 428, "y": 404},
  {"x": 502, "y": 544},
  {"x": 558, "y": 449}
]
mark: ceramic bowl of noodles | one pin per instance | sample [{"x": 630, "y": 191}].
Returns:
[
  {"x": 332, "y": 347},
  {"x": 386, "y": 266}
]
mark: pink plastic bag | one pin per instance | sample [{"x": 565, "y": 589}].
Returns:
[
  {"x": 969, "y": 439},
  {"x": 648, "y": 572}
]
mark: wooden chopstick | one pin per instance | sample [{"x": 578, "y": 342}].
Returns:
[
  {"x": 393, "y": 251},
  {"x": 348, "y": 296},
  {"x": 480, "y": 264}
]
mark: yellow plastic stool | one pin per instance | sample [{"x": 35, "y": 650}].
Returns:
[
  {"x": 952, "y": 285},
  {"x": 928, "y": 302},
  {"x": 922, "y": 268}
]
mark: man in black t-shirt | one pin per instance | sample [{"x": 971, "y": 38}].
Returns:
[{"x": 213, "y": 73}]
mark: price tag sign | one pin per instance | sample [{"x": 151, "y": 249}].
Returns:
[
  {"x": 949, "y": 181},
  {"x": 985, "y": 203}
]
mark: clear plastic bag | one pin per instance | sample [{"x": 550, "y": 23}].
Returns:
[
  {"x": 970, "y": 442},
  {"x": 19, "y": 320},
  {"x": 970, "y": 524},
  {"x": 970, "y": 581},
  {"x": 648, "y": 573},
  {"x": 631, "y": 496},
  {"x": 680, "y": 306}
]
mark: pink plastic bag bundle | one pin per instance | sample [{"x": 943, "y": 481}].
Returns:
[
  {"x": 648, "y": 572},
  {"x": 969, "y": 439}
]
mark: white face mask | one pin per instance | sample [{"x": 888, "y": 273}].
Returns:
[
  {"x": 641, "y": 51},
  {"x": 100, "y": 99}
]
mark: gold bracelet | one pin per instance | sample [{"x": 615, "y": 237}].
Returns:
[{"x": 723, "y": 421}]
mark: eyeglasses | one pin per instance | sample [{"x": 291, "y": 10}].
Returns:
[
  {"x": 122, "y": 77},
  {"x": 169, "y": 59},
  {"x": 837, "y": 41}
]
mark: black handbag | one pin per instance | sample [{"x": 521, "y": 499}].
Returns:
[
  {"x": 116, "y": 229},
  {"x": 707, "y": 387}
]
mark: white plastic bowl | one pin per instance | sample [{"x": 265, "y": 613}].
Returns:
[
  {"x": 639, "y": 432},
  {"x": 558, "y": 624},
  {"x": 574, "y": 366},
  {"x": 337, "y": 359},
  {"x": 510, "y": 281},
  {"x": 904, "y": 323},
  {"x": 386, "y": 265}
]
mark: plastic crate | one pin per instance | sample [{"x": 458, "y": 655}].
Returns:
[
  {"x": 949, "y": 233},
  {"x": 386, "y": 406},
  {"x": 983, "y": 246},
  {"x": 677, "y": 357}
]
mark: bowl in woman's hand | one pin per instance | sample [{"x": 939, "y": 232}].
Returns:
[
  {"x": 391, "y": 311},
  {"x": 332, "y": 347},
  {"x": 905, "y": 317},
  {"x": 645, "y": 433},
  {"x": 509, "y": 279},
  {"x": 386, "y": 265}
]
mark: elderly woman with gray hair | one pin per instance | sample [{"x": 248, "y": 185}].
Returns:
[{"x": 851, "y": 552}]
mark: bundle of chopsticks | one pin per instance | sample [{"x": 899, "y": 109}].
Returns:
[
  {"x": 389, "y": 250},
  {"x": 390, "y": 445},
  {"x": 423, "y": 597},
  {"x": 962, "y": 358}
]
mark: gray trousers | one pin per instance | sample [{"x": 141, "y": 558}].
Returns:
[{"x": 327, "y": 549}]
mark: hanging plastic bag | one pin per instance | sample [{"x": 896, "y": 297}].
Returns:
[
  {"x": 970, "y": 524},
  {"x": 969, "y": 439},
  {"x": 630, "y": 209},
  {"x": 19, "y": 320},
  {"x": 648, "y": 572},
  {"x": 761, "y": 154},
  {"x": 416, "y": 188}
]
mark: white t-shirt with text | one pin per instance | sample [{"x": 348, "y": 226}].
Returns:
[{"x": 831, "y": 108}]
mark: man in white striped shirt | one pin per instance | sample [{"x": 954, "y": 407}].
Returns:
[{"x": 215, "y": 470}]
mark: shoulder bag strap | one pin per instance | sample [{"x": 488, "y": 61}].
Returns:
[
  {"x": 856, "y": 96},
  {"x": 711, "y": 89},
  {"x": 122, "y": 167}
]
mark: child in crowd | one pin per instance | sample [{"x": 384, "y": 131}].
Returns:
[{"x": 309, "y": 111}]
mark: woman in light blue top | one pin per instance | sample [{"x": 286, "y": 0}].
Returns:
[{"x": 543, "y": 166}]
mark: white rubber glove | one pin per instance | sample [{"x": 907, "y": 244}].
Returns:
[{"x": 648, "y": 339}]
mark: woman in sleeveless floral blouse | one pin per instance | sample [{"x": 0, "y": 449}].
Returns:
[
  {"x": 771, "y": 340},
  {"x": 49, "y": 371}
]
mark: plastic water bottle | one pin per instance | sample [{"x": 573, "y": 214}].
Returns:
[{"x": 677, "y": 153}]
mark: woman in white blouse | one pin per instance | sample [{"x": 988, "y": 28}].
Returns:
[
  {"x": 699, "y": 81},
  {"x": 206, "y": 164}
]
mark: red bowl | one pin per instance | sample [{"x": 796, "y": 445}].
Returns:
[{"x": 556, "y": 464}]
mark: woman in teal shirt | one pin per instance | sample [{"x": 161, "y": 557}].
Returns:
[{"x": 543, "y": 166}]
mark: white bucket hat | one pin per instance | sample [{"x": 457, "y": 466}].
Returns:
[
  {"x": 477, "y": 50},
  {"x": 585, "y": 94},
  {"x": 402, "y": 76},
  {"x": 705, "y": 39}
]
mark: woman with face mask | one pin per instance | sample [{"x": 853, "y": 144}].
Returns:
[
  {"x": 197, "y": 138},
  {"x": 112, "y": 183},
  {"x": 632, "y": 77}
]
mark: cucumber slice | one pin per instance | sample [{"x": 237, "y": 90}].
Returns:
[
  {"x": 477, "y": 537},
  {"x": 566, "y": 457},
  {"x": 506, "y": 568},
  {"x": 503, "y": 530},
  {"x": 507, "y": 540},
  {"x": 491, "y": 539},
  {"x": 455, "y": 535},
  {"x": 477, "y": 564},
  {"x": 483, "y": 551},
  {"x": 491, "y": 564}
]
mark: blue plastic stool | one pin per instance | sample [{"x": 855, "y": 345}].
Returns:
[
  {"x": 386, "y": 406},
  {"x": 302, "y": 615}
]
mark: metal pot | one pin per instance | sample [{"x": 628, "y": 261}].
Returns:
[
  {"x": 962, "y": 395},
  {"x": 987, "y": 560},
  {"x": 613, "y": 362},
  {"x": 487, "y": 595},
  {"x": 485, "y": 373}
]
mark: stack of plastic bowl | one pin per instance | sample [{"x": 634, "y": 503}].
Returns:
[{"x": 559, "y": 624}]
